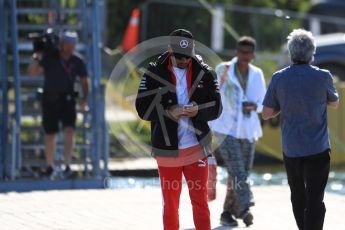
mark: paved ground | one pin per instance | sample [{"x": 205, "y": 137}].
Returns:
[{"x": 141, "y": 209}]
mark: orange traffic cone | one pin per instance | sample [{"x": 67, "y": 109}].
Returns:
[
  {"x": 50, "y": 17},
  {"x": 131, "y": 37}
]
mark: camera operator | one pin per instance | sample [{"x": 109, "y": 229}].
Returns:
[{"x": 60, "y": 70}]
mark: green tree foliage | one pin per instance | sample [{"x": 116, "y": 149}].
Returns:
[
  {"x": 164, "y": 18},
  {"x": 269, "y": 30},
  {"x": 296, "y": 5},
  {"x": 262, "y": 27},
  {"x": 172, "y": 17}
]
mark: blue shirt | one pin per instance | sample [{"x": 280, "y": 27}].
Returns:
[{"x": 301, "y": 93}]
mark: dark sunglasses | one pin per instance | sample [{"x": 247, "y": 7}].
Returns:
[
  {"x": 180, "y": 56},
  {"x": 245, "y": 51}
]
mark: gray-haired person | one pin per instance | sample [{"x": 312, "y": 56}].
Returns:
[{"x": 301, "y": 93}]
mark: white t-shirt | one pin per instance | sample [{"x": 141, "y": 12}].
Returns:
[{"x": 186, "y": 133}]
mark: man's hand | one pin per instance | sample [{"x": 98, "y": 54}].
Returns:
[
  {"x": 191, "y": 110},
  {"x": 35, "y": 68},
  {"x": 176, "y": 111},
  {"x": 333, "y": 105},
  {"x": 268, "y": 113},
  {"x": 83, "y": 105}
]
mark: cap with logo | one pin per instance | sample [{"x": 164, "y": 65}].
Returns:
[{"x": 182, "y": 43}]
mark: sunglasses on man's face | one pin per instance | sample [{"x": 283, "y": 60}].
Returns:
[
  {"x": 181, "y": 56},
  {"x": 245, "y": 51}
]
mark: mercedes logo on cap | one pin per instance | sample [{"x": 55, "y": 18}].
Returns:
[{"x": 184, "y": 44}]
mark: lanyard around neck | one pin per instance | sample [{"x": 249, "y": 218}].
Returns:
[
  {"x": 179, "y": 80},
  {"x": 67, "y": 66},
  {"x": 242, "y": 79},
  {"x": 189, "y": 75}
]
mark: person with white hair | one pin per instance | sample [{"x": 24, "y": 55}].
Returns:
[
  {"x": 300, "y": 94},
  {"x": 60, "y": 70}
]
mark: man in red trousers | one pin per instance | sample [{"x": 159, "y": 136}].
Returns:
[{"x": 179, "y": 94}]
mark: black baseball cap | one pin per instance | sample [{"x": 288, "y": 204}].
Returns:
[{"x": 182, "y": 43}]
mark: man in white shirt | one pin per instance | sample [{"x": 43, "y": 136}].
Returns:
[{"x": 242, "y": 88}]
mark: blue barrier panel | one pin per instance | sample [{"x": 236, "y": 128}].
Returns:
[
  {"x": 4, "y": 86},
  {"x": 15, "y": 163}
]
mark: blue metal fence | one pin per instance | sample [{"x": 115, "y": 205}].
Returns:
[
  {"x": 10, "y": 125},
  {"x": 14, "y": 158},
  {"x": 96, "y": 88},
  {"x": 4, "y": 85}
]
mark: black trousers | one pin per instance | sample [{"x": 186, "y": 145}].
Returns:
[{"x": 307, "y": 177}]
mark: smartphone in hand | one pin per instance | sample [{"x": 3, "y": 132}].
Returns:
[{"x": 188, "y": 106}]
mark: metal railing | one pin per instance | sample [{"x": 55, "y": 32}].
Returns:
[
  {"x": 4, "y": 86},
  {"x": 95, "y": 139}
]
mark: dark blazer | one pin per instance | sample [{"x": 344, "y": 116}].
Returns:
[{"x": 157, "y": 93}]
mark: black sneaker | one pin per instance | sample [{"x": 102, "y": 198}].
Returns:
[
  {"x": 248, "y": 218},
  {"x": 68, "y": 173},
  {"x": 49, "y": 173},
  {"x": 226, "y": 219}
]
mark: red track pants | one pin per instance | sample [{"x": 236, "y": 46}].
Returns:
[{"x": 171, "y": 183}]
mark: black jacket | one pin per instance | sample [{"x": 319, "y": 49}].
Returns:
[{"x": 157, "y": 93}]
